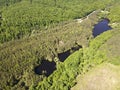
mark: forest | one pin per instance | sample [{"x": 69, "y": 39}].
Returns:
[
  {"x": 21, "y": 19},
  {"x": 49, "y": 44}
]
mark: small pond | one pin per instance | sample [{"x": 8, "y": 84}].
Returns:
[
  {"x": 45, "y": 68},
  {"x": 101, "y": 27}
]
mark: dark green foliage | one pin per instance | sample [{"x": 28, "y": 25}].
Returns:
[
  {"x": 19, "y": 58},
  {"x": 20, "y": 19},
  {"x": 8, "y": 2},
  {"x": 36, "y": 22}
]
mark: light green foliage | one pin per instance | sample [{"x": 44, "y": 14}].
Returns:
[
  {"x": 114, "y": 12},
  {"x": 111, "y": 47}
]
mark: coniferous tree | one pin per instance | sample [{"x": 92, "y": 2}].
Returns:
[
  {"x": 0, "y": 18},
  {"x": 55, "y": 2},
  {"x": 7, "y": 2},
  {"x": 31, "y": 1}
]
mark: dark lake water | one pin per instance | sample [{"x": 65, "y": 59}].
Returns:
[
  {"x": 101, "y": 27},
  {"x": 45, "y": 68},
  {"x": 63, "y": 56}
]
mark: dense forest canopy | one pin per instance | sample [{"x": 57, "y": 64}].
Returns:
[
  {"x": 37, "y": 31},
  {"x": 21, "y": 17}
]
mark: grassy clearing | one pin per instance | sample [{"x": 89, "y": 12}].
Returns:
[
  {"x": 102, "y": 77},
  {"x": 112, "y": 48}
]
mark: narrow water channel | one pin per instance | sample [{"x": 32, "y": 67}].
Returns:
[
  {"x": 63, "y": 56},
  {"x": 101, "y": 27}
]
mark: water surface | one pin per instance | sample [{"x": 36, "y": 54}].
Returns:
[
  {"x": 101, "y": 27},
  {"x": 46, "y": 67},
  {"x": 64, "y": 55}
]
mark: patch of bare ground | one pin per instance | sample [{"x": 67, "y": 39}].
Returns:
[{"x": 103, "y": 77}]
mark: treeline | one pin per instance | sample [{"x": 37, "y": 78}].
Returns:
[
  {"x": 20, "y": 19},
  {"x": 8, "y": 2},
  {"x": 114, "y": 12}
]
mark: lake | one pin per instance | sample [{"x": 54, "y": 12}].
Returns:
[{"x": 101, "y": 27}]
